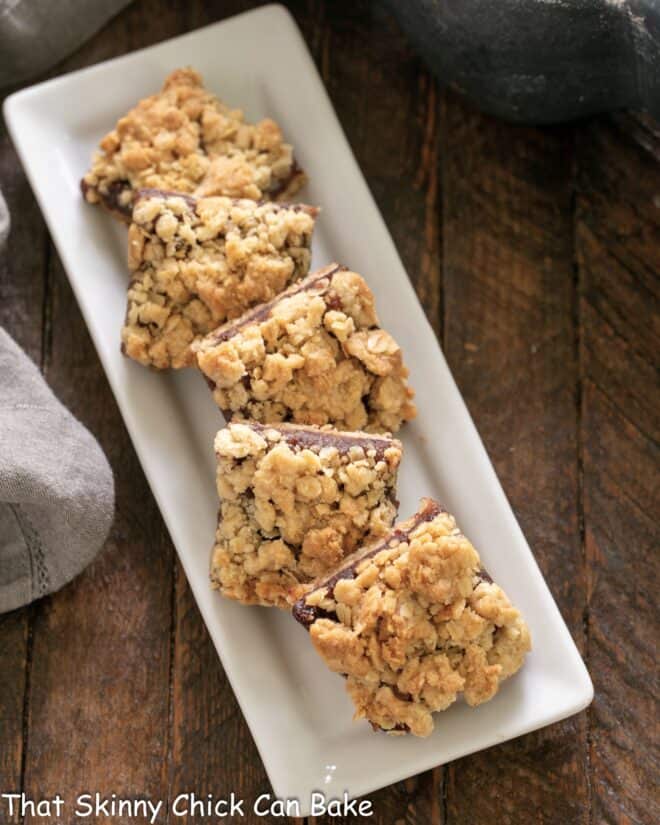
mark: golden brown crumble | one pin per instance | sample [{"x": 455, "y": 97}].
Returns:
[
  {"x": 315, "y": 355},
  {"x": 185, "y": 140},
  {"x": 295, "y": 501},
  {"x": 196, "y": 263},
  {"x": 412, "y": 621}
]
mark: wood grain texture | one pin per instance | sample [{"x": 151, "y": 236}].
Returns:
[
  {"x": 212, "y": 749},
  {"x": 388, "y": 105},
  {"x": 99, "y": 686},
  {"x": 618, "y": 244},
  {"x": 14, "y": 631},
  {"x": 98, "y": 703},
  {"x": 23, "y": 262},
  {"x": 393, "y": 129},
  {"x": 535, "y": 254},
  {"x": 510, "y": 340}
]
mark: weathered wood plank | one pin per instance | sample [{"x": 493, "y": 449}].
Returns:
[
  {"x": 141, "y": 24},
  {"x": 212, "y": 749},
  {"x": 23, "y": 261},
  {"x": 99, "y": 687},
  {"x": 511, "y": 309},
  {"x": 22, "y": 267},
  {"x": 389, "y": 107},
  {"x": 14, "y": 629},
  {"x": 618, "y": 242},
  {"x": 510, "y": 340},
  {"x": 99, "y": 690}
]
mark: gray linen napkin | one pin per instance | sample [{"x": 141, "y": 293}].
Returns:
[
  {"x": 36, "y": 34},
  {"x": 56, "y": 486}
]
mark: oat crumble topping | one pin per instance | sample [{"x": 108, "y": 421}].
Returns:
[
  {"x": 412, "y": 622},
  {"x": 295, "y": 501},
  {"x": 196, "y": 263},
  {"x": 315, "y": 355},
  {"x": 186, "y": 140}
]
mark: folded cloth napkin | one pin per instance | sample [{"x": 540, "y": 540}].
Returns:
[{"x": 56, "y": 486}]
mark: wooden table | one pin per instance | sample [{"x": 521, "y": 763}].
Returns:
[{"x": 535, "y": 253}]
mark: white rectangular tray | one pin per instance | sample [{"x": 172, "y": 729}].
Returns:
[{"x": 302, "y": 724}]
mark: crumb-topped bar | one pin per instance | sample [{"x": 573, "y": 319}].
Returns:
[
  {"x": 196, "y": 263},
  {"x": 186, "y": 140},
  {"x": 413, "y": 621},
  {"x": 315, "y": 355},
  {"x": 295, "y": 500}
]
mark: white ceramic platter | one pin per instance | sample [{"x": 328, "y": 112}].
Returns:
[{"x": 302, "y": 724}]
